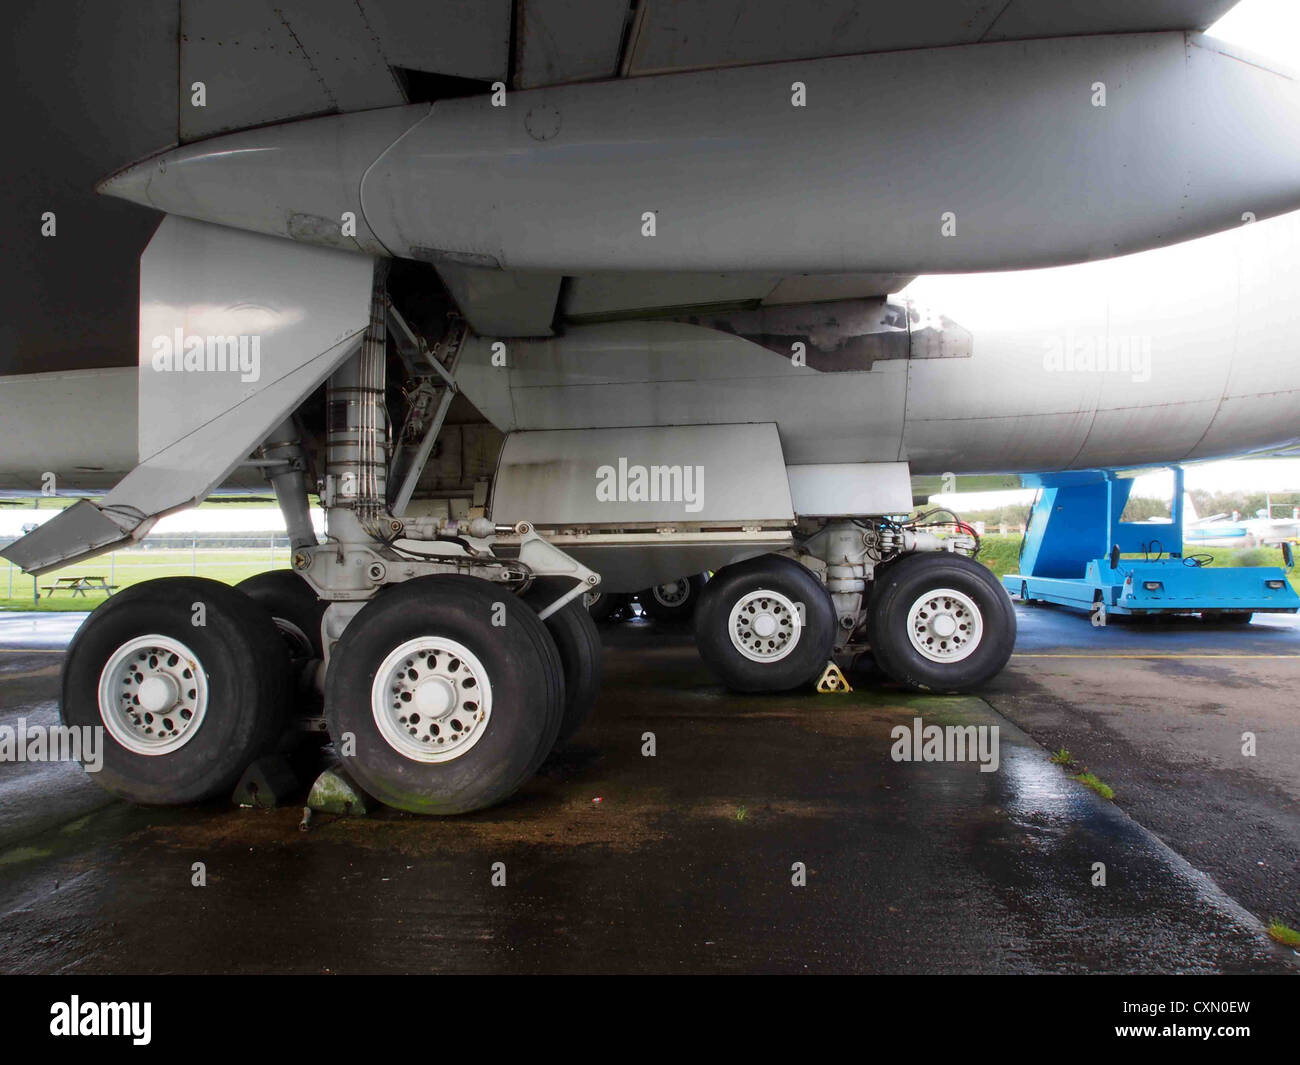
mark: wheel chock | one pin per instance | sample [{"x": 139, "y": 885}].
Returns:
[
  {"x": 833, "y": 681},
  {"x": 336, "y": 793},
  {"x": 266, "y": 784}
]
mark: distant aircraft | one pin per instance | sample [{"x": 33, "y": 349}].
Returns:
[
  {"x": 631, "y": 305},
  {"x": 1223, "y": 530}
]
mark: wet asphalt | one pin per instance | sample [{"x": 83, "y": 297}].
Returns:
[{"x": 686, "y": 861}]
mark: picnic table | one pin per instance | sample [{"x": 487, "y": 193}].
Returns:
[{"x": 79, "y": 586}]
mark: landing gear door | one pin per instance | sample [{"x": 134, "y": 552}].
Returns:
[{"x": 644, "y": 477}]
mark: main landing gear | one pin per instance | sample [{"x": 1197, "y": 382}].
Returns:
[
  {"x": 929, "y": 616},
  {"x": 443, "y": 694}
]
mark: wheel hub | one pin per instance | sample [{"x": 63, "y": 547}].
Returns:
[
  {"x": 157, "y": 693},
  {"x": 945, "y": 625},
  {"x": 764, "y": 626},
  {"x": 153, "y": 695},
  {"x": 431, "y": 699},
  {"x": 435, "y": 697},
  {"x": 674, "y": 593}
]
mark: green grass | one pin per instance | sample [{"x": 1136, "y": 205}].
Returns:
[
  {"x": 125, "y": 568},
  {"x": 1000, "y": 553},
  {"x": 1091, "y": 780},
  {"x": 1062, "y": 757},
  {"x": 1288, "y": 937}
]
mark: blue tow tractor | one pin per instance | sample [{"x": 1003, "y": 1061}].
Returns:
[{"x": 1077, "y": 553}]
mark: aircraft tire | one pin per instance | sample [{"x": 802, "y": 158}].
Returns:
[
  {"x": 293, "y": 607},
  {"x": 189, "y": 680},
  {"x": 940, "y": 622},
  {"x": 748, "y": 628},
  {"x": 444, "y": 694},
  {"x": 673, "y": 602},
  {"x": 602, "y": 606},
  {"x": 578, "y": 641}
]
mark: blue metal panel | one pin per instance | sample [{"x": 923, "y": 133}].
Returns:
[{"x": 1066, "y": 528}]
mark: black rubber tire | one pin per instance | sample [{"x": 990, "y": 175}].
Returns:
[
  {"x": 607, "y": 604},
  {"x": 247, "y": 670},
  {"x": 523, "y": 667},
  {"x": 676, "y": 613},
  {"x": 578, "y": 641},
  {"x": 902, "y": 584},
  {"x": 864, "y": 669},
  {"x": 803, "y": 664},
  {"x": 289, "y": 599}
]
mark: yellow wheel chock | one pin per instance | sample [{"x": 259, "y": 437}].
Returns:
[{"x": 833, "y": 680}]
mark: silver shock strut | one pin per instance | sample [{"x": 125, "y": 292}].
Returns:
[{"x": 356, "y": 452}]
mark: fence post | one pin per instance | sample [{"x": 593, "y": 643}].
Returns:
[{"x": 194, "y": 556}]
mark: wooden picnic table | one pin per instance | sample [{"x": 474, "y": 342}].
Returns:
[{"x": 79, "y": 586}]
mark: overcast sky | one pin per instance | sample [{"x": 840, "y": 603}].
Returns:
[{"x": 1269, "y": 28}]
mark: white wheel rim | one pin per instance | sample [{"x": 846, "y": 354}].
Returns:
[
  {"x": 431, "y": 699},
  {"x": 674, "y": 593},
  {"x": 153, "y": 695},
  {"x": 945, "y": 625},
  {"x": 764, "y": 626},
  {"x": 590, "y": 599}
]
